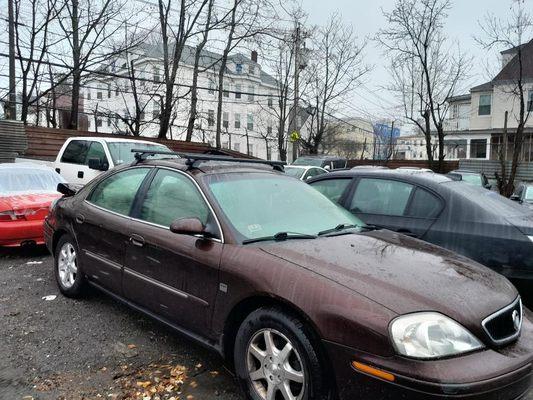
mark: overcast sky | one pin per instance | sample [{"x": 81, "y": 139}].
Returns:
[{"x": 366, "y": 17}]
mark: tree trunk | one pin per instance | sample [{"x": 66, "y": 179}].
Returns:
[{"x": 76, "y": 72}]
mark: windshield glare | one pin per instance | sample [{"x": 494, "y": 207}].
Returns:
[
  {"x": 121, "y": 151},
  {"x": 295, "y": 172},
  {"x": 261, "y": 205}
]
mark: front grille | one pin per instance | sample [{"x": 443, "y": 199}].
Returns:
[{"x": 504, "y": 326}]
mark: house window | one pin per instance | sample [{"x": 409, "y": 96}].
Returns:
[
  {"x": 88, "y": 94},
  {"x": 98, "y": 121},
  {"x": 108, "y": 90},
  {"x": 478, "y": 148},
  {"x": 250, "y": 149},
  {"x": 141, "y": 116},
  {"x": 99, "y": 93},
  {"x": 156, "y": 110},
  {"x": 238, "y": 91},
  {"x": 530, "y": 101},
  {"x": 211, "y": 117},
  {"x": 116, "y": 90},
  {"x": 251, "y": 69},
  {"x": 108, "y": 120},
  {"x": 270, "y": 101},
  {"x": 484, "y": 104},
  {"x": 237, "y": 120},
  {"x": 157, "y": 77},
  {"x": 238, "y": 68},
  {"x": 226, "y": 89},
  {"x": 225, "y": 145},
  {"x": 269, "y": 130},
  {"x": 251, "y": 90},
  {"x": 237, "y": 147},
  {"x": 225, "y": 119},
  {"x": 211, "y": 89},
  {"x": 250, "y": 124}
]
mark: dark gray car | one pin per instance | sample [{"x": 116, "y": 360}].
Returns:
[
  {"x": 468, "y": 219},
  {"x": 524, "y": 195}
]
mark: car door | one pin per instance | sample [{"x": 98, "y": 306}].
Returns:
[
  {"x": 74, "y": 163},
  {"x": 394, "y": 205},
  {"x": 173, "y": 275},
  {"x": 101, "y": 223}
]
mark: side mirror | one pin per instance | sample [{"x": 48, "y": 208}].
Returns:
[
  {"x": 97, "y": 164},
  {"x": 327, "y": 167},
  {"x": 514, "y": 197},
  {"x": 187, "y": 226}
]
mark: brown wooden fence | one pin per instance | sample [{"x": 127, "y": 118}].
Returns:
[
  {"x": 44, "y": 143},
  {"x": 448, "y": 165}
]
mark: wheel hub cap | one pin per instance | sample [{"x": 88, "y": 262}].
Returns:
[{"x": 67, "y": 265}]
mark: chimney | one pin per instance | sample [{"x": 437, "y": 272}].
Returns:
[{"x": 254, "y": 56}]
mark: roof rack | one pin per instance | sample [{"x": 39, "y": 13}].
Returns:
[{"x": 142, "y": 154}]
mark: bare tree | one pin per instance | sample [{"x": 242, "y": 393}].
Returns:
[
  {"x": 335, "y": 69},
  {"x": 423, "y": 64},
  {"x": 32, "y": 43},
  {"x": 89, "y": 29},
  {"x": 512, "y": 33},
  {"x": 173, "y": 40}
]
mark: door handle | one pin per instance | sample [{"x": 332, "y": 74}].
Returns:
[
  {"x": 80, "y": 219},
  {"x": 80, "y": 174},
  {"x": 137, "y": 240}
]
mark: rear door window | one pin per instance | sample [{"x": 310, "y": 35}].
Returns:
[
  {"x": 172, "y": 196},
  {"x": 381, "y": 196},
  {"x": 424, "y": 205},
  {"x": 117, "y": 192},
  {"x": 333, "y": 189},
  {"x": 76, "y": 152},
  {"x": 96, "y": 150}
]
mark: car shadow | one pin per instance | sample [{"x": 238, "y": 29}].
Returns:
[{"x": 24, "y": 251}]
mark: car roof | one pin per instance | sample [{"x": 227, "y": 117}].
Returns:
[
  {"x": 323, "y": 157},
  {"x": 464, "y": 171},
  {"x": 26, "y": 165},
  {"x": 114, "y": 140},
  {"x": 415, "y": 176}
]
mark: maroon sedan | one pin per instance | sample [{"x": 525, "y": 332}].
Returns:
[{"x": 303, "y": 299}]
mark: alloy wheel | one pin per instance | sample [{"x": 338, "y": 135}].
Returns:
[
  {"x": 67, "y": 266},
  {"x": 275, "y": 367}
]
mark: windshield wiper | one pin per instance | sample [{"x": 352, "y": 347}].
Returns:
[
  {"x": 280, "y": 236},
  {"x": 338, "y": 228}
]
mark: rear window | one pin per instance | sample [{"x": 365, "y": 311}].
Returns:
[
  {"x": 472, "y": 179},
  {"x": 121, "y": 151},
  {"x": 76, "y": 152},
  {"x": 18, "y": 180},
  {"x": 529, "y": 194},
  {"x": 487, "y": 199}
]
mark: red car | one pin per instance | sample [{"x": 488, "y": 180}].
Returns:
[{"x": 26, "y": 192}]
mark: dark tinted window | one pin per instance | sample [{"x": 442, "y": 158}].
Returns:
[
  {"x": 76, "y": 152},
  {"x": 172, "y": 196},
  {"x": 424, "y": 205},
  {"x": 117, "y": 192},
  {"x": 332, "y": 188},
  {"x": 337, "y": 164},
  {"x": 381, "y": 196},
  {"x": 96, "y": 150}
]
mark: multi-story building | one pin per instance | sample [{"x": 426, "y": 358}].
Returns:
[
  {"x": 249, "y": 99},
  {"x": 476, "y": 121}
]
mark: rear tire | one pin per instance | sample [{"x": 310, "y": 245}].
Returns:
[
  {"x": 69, "y": 276},
  {"x": 275, "y": 358}
]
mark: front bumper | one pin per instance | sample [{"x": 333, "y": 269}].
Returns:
[
  {"x": 491, "y": 374},
  {"x": 16, "y": 233}
]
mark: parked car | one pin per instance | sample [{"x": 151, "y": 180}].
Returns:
[
  {"x": 461, "y": 217},
  {"x": 304, "y": 172},
  {"x": 524, "y": 194},
  {"x": 80, "y": 159},
  {"x": 370, "y": 166},
  {"x": 472, "y": 177},
  {"x": 26, "y": 192},
  {"x": 292, "y": 289},
  {"x": 326, "y": 162}
]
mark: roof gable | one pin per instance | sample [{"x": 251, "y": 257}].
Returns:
[{"x": 511, "y": 71}]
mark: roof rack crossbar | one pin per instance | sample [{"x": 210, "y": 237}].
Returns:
[{"x": 141, "y": 154}]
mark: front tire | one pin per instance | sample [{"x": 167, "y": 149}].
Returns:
[
  {"x": 276, "y": 359},
  {"x": 68, "y": 274}
]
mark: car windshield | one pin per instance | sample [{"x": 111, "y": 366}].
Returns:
[
  {"x": 295, "y": 172},
  {"x": 121, "y": 151},
  {"x": 261, "y": 205},
  {"x": 529, "y": 194},
  {"x": 487, "y": 199},
  {"x": 18, "y": 180},
  {"x": 315, "y": 162},
  {"x": 473, "y": 179}
]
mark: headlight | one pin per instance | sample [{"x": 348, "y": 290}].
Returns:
[{"x": 431, "y": 335}]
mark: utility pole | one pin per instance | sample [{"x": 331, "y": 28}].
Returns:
[
  {"x": 294, "y": 125},
  {"x": 12, "y": 108}
]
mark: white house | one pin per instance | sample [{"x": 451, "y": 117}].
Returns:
[{"x": 249, "y": 98}]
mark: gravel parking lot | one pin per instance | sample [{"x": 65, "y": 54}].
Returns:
[{"x": 93, "y": 348}]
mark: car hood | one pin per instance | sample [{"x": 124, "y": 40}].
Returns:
[
  {"x": 401, "y": 273},
  {"x": 32, "y": 205},
  {"x": 523, "y": 222}
]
